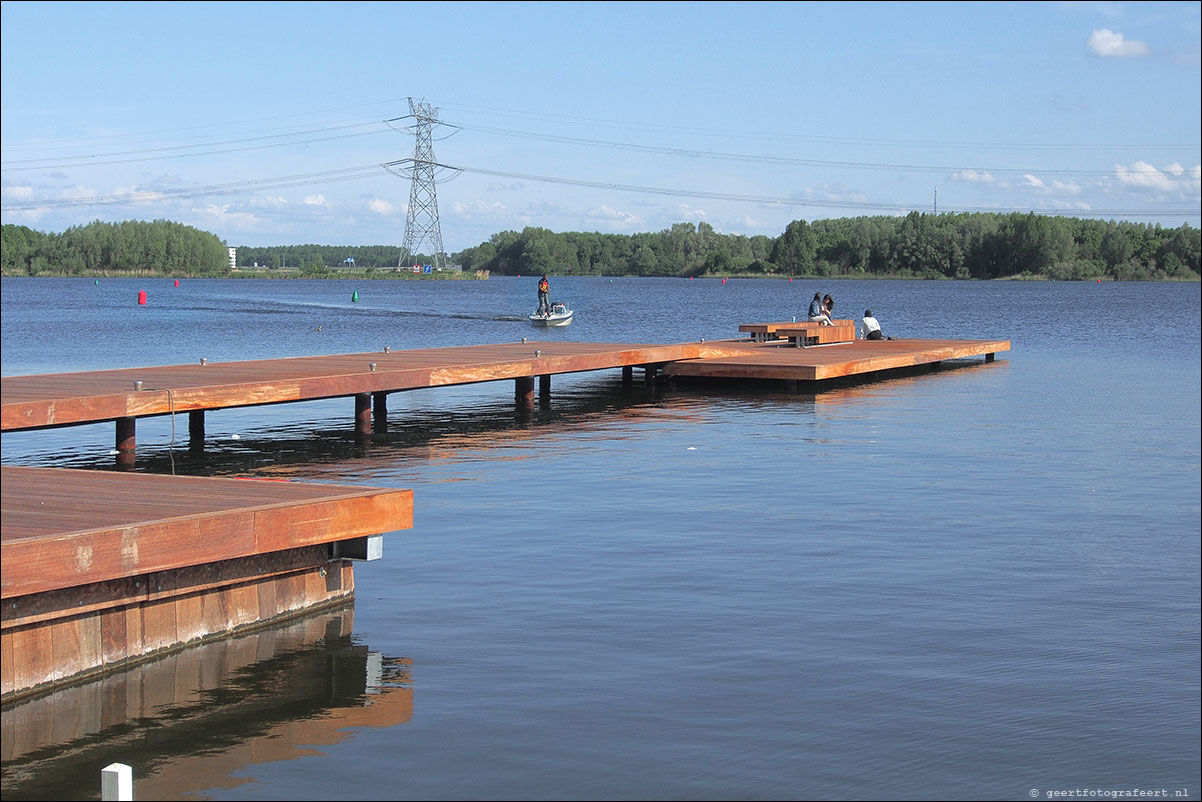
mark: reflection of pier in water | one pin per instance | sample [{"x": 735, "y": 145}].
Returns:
[{"x": 197, "y": 718}]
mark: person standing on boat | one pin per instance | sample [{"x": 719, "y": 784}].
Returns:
[
  {"x": 817, "y": 313},
  {"x": 544, "y": 296}
]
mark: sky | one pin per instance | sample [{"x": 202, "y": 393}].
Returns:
[{"x": 290, "y": 123}]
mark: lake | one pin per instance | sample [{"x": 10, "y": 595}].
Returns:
[{"x": 991, "y": 592}]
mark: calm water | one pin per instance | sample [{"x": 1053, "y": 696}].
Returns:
[{"x": 962, "y": 585}]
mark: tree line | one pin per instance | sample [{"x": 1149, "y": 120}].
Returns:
[
  {"x": 132, "y": 247},
  {"x": 918, "y": 245}
]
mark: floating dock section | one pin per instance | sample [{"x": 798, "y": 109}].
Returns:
[{"x": 99, "y": 569}]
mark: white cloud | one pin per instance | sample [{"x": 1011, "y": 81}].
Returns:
[
  {"x": 1079, "y": 206},
  {"x": 1176, "y": 169},
  {"x": 1072, "y": 188},
  {"x": 614, "y": 218},
  {"x": 973, "y": 176},
  {"x": 222, "y": 216},
  {"x": 17, "y": 193},
  {"x": 1141, "y": 174},
  {"x": 479, "y": 210},
  {"x": 316, "y": 200},
  {"x": 687, "y": 212},
  {"x": 380, "y": 206},
  {"x": 1033, "y": 181},
  {"x": 1107, "y": 43}
]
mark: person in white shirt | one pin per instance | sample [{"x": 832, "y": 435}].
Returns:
[{"x": 870, "y": 329}]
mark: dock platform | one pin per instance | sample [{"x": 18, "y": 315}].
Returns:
[
  {"x": 99, "y": 568},
  {"x": 757, "y": 360}
]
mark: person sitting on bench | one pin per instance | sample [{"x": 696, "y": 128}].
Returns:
[{"x": 817, "y": 312}]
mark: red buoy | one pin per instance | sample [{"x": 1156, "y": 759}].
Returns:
[
  {"x": 177, "y": 282},
  {"x": 142, "y": 297}
]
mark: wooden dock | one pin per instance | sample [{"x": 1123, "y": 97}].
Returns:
[
  {"x": 64, "y": 399},
  {"x": 780, "y": 360},
  {"x": 103, "y": 568},
  {"x": 100, "y": 568},
  {"x": 31, "y": 402}
]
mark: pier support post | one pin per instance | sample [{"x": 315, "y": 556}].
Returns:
[
  {"x": 523, "y": 392},
  {"x": 379, "y": 405},
  {"x": 196, "y": 430},
  {"x": 649, "y": 373},
  {"x": 363, "y": 413},
  {"x": 627, "y": 375},
  {"x": 544, "y": 389},
  {"x": 989, "y": 357},
  {"x": 127, "y": 431}
]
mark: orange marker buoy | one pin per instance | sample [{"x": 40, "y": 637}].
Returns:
[{"x": 142, "y": 297}]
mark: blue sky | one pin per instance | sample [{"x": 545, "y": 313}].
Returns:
[{"x": 265, "y": 122}]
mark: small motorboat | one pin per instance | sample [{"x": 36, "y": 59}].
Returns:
[{"x": 561, "y": 315}]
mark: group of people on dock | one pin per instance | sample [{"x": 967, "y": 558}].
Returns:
[{"x": 820, "y": 312}]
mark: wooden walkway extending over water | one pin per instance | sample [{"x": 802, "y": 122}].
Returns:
[
  {"x": 32, "y": 402},
  {"x": 104, "y": 568}
]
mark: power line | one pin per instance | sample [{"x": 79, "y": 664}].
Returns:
[
  {"x": 874, "y": 142},
  {"x": 231, "y": 188},
  {"x": 789, "y": 201},
  {"x": 743, "y": 157},
  {"x": 39, "y": 164}
]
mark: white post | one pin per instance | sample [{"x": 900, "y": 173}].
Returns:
[{"x": 117, "y": 783}]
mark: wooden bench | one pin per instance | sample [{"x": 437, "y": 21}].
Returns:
[
  {"x": 788, "y": 330},
  {"x": 812, "y": 332},
  {"x": 763, "y": 332}
]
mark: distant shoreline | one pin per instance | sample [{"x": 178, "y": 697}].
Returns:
[{"x": 483, "y": 275}]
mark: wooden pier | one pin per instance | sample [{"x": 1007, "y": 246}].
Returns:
[
  {"x": 98, "y": 568},
  {"x": 103, "y": 568},
  {"x": 779, "y": 360},
  {"x": 124, "y": 395}
]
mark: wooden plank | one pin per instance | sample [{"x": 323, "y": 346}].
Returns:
[{"x": 63, "y": 528}]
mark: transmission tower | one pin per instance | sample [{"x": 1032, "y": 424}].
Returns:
[{"x": 421, "y": 222}]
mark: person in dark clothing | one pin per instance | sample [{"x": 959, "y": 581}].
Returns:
[{"x": 544, "y": 296}]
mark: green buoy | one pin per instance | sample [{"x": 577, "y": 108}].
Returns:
[{"x": 354, "y": 296}]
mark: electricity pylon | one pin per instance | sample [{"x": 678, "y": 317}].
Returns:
[{"x": 421, "y": 222}]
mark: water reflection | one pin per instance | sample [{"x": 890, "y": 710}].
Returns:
[{"x": 200, "y": 718}]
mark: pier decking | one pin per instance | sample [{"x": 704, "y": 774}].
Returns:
[
  {"x": 98, "y": 568},
  {"x": 777, "y": 360},
  {"x": 28, "y": 402},
  {"x": 40, "y": 401}
]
